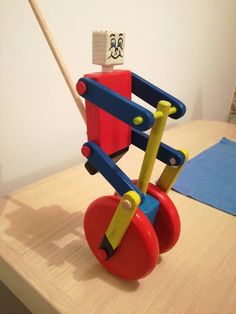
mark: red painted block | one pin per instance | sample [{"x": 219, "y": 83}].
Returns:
[{"x": 108, "y": 132}]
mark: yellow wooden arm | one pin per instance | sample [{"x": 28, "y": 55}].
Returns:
[
  {"x": 170, "y": 174},
  {"x": 122, "y": 218},
  {"x": 161, "y": 115}
]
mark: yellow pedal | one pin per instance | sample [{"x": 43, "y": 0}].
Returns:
[
  {"x": 122, "y": 218},
  {"x": 170, "y": 174}
]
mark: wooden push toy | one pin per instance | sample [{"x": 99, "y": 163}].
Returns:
[{"x": 128, "y": 230}]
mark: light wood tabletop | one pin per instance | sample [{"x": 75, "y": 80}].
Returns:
[{"x": 46, "y": 262}]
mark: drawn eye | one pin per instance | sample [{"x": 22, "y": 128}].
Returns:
[
  {"x": 120, "y": 43},
  {"x": 113, "y": 43}
]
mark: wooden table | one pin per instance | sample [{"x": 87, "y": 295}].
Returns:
[{"x": 45, "y": 260}]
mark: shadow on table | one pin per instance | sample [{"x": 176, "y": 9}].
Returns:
[{"x": 57, "y": 236}]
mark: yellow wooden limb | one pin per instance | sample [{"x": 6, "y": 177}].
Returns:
[
  {"x": 170, "y": 174},
  {"x": 154, "y": 141},
  {"x": 158, "y": 114},
  {"x": 122, "y": 218}
]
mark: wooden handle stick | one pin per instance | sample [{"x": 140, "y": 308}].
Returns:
[{"x": 58, "y": 57}]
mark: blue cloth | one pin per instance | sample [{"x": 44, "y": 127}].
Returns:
[{"x": 210, "y": 177}]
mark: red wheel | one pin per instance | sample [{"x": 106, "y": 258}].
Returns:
[
  {"x": 167, "y": 222},
  {"x": 138, "y": 251}
]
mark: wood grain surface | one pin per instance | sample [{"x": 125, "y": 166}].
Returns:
[{"x": 46, "y": 263}]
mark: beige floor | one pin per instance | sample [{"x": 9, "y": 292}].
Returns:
[{"x": 9, "y": 303}]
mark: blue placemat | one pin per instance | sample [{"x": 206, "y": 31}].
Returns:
[{"x": 210, "y": 177}]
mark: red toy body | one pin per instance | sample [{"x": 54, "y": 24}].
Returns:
[
  {"x": 127, "y": 231},
  {"x": 109, "y": 133},
  {"x": 125, "y": 237}
]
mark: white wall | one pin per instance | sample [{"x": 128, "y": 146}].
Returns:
[{"x": 185, "y": 47}]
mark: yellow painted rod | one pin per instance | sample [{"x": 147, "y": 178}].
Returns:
[
  {"x": 122, "y": 218},
  {"x": 163, "y": 109},
  {"x": 170, "y": 174}
]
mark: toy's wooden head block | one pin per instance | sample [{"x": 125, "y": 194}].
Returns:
[{"x": 108, "y": 49}]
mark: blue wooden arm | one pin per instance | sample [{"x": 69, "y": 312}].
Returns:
[
  {"x": 117, "y": 105},
  {"x": 152, "y": 95},
  {"x": 110, "y": 171},
  {"x": 165, "y": 153}
]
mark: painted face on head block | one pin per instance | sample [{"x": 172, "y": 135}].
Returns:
[{"x": 108, "y": 48}]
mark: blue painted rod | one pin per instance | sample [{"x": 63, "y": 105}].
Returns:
[{"x": 117, "y": 105}]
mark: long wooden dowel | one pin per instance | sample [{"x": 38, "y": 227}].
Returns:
[{"x": 58, "y": 57}]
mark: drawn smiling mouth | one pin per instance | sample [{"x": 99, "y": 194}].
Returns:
[{"x": 115, "y": 57}]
